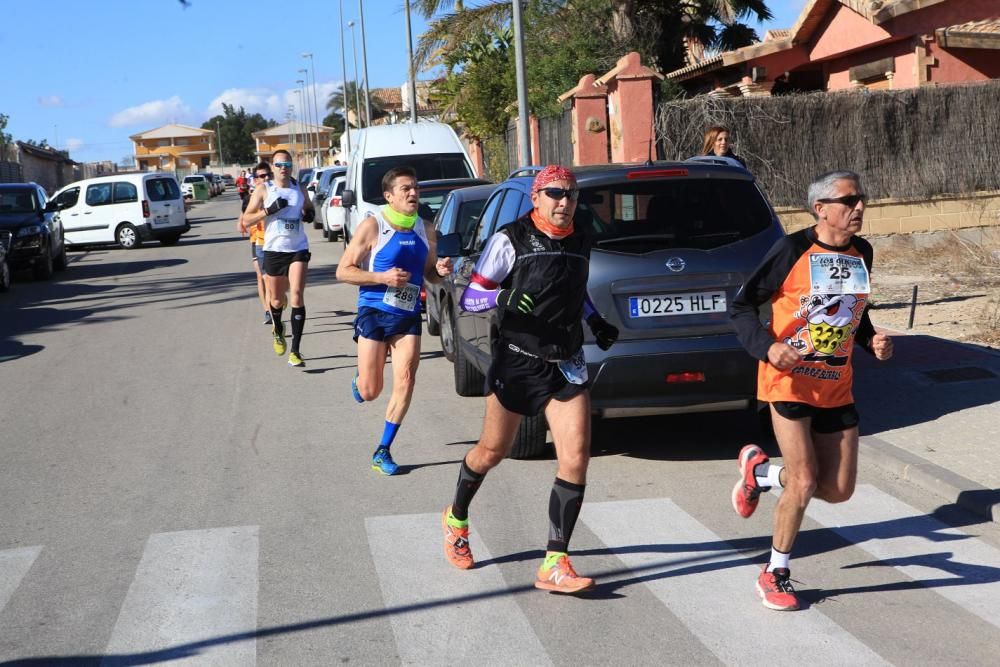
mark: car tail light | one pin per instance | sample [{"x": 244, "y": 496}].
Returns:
[
  {"x": 423, "y": 295},
  {"x": 335, "y": 201},
  {"x": 657, "y": 173},
  {"x": 688, "y": 376},
  {"x": 145, "y": 208}
]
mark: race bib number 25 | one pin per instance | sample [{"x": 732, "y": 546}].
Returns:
[{"x": 833, "y": 273}]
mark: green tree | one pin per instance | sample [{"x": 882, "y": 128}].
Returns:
[
  {"x": 237, "y": 128},
  {"x": 5, "y": 138},
  {"x": 335, "y": 103}
]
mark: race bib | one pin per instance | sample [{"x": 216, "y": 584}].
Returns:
[
  {"x": 832, "y": 273},
  {"x": 288, "y": 227},
  {"x": 574, "y": 369},
  {"x": 405, "y": 298}
]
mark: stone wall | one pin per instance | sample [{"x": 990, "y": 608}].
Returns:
[{"x": 889, "y": 216}]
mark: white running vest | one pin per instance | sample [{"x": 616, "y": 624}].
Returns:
[{"x": 284, "y": 231}]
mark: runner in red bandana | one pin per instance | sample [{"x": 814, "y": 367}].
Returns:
[{"x": 535, "y": 272}]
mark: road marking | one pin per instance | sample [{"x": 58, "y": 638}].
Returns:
[
  {"x": 948, "y": 561},
  {"x": 709, "y": 586},
  {"x": 190, "y": 588},
  {"x": 14, "y": 564},
  {"x": 430, "y": 599}
]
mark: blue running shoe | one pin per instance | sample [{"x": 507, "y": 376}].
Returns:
[
  {"x": 382, "y": 462},
  {"x": 354, "y": 390}
]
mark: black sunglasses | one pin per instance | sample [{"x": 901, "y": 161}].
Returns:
[
  {"x": 849, "y": 201},
  {"x": 559, "y": 193},
  {"x": 262, "y": 175}
]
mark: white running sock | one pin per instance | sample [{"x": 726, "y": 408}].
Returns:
[
  {"x": 778, "y": 559},
  {"x": 770, "y": 478}
]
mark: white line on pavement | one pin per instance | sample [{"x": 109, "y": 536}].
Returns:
[{"x": 14, "y": 564}]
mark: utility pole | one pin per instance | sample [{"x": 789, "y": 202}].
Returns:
[
  {"x": 343, "y": 67},
  {"x": 218, "y": 134},
  {"x": 357, "y": 84},
  {"x": 304, "y": 107},
  {"x": 364, "y": 61},
  {"x": 523, "y": 137},
  {"x": 413, "y": 74},
  {"x": 319, "y": 142}
]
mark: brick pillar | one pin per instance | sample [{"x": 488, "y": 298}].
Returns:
[
  {"x": 475, "y": 147},
  {"x": 535, "y": 149},
  {"x": 630, "y": 109},
  {"x": 590, "y": 121}
]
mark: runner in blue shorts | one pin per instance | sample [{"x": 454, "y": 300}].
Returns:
[{"x": 389, "y": 258}]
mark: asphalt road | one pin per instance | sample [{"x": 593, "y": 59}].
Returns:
[{"x": 171, "y": 491}]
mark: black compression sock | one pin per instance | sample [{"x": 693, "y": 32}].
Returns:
[
  {"x": 468, "y": 483},
  {"x": 564, "y": 508},
  {"x": 298, "y": 323},
  {"x": 279, "y": 327}
]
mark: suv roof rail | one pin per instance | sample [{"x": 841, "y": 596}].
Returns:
[
  {"x": 715, "y": 159},
  {"x": 525, "y": 171}
]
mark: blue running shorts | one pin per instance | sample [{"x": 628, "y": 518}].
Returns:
[{"x": 375, "y": 324}]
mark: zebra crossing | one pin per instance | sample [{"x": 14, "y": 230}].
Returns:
[{"x": 194, "y": 596}]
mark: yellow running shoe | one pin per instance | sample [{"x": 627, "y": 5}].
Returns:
[
  {"x": 295, "y": 360},
  {"x": 279, "y": 344}
]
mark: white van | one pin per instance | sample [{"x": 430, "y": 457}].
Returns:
[
  {"x": 432, "y": 149},
  {"x": 126, "y": 209}
]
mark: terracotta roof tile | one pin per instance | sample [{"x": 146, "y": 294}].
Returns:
[{"x": 984, "y": 27}]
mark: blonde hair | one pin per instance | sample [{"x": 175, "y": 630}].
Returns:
[{"x": 711, "y": 134}]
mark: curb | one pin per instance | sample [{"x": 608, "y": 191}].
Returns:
[{"x": 932, "y": 478}]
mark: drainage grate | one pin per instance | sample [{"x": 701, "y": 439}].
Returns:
[{"x": 962, "y": 374}]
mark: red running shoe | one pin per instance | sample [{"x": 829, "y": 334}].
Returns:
[
  {"x": 456, "y": 542},
  {"x": 560, "y": 577},
  {"x": 747, "y": 492},
  {"x": 775, "y": 590}
]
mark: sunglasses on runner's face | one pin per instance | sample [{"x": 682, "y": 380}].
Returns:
[
  {"x": 559, "y": 193},
  {"x": 286, "y": 165},
  {"x": 262, "y": 175},
  {"x": 849, "y": 201}
]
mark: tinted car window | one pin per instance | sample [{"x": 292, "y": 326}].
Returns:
[
  {"x": 194, "y": 179},
  {"x": 641, "y": 216},
  {"x": 486, "y": 219},
  {"x": 467, "y": 218},
  {"x": 125, "y": 192},
  {"x": 510, "y": 208},
  {"x": 444, "y": 222},
  {"x": 162, "y": 189},
  {"x": 17, "y": 201},
  {"x": 428, "y": 167},
  {"x": 98, "y": 194},
  {"x": 68, "y": 198}
]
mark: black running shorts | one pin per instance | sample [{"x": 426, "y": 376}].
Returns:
[
  {"x": 524, "y": 384},
  {"x": 824, "y": 420},
  {"x": 277, "y": 263}
]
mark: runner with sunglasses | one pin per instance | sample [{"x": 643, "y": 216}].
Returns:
[
  {"x": 282, "y": 205},
  {"x": 389, "y": 258},
  {"x": 260, "y": 174},
  {"x": 817, "y": 282},
  {"x": 535, "y": 272}
]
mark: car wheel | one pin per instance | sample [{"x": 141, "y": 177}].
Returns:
[
  {"x": 60, "y": 262},
  {"x": 317, "y": 224},
  {"x": 43, "y": 267},
  {"x": 447, "y": 331},
  {"x": 334, "y": 235},
  {"x": 433, "y": 326},
  {"x": 468, "y": 380},
  {"x": 170, "y": 240},
  {"x": 530, "y": 440},
  {"x": 127, "y": 236}
]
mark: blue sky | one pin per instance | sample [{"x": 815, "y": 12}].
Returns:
[{"x": 92, "y": 72}]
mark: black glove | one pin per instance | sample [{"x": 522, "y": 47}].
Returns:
[
  {"x": 606, "y": 334},
  {"x": 276, "y": 206},
  {"x": 309, "y": 215},
  {"x": 515, "y": 299}
]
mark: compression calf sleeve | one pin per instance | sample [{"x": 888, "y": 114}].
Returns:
[
  {"x": 564, "y": 508},
  {"x": 388, "y": 434},
  {"x": 279, "y": 326},
  {"x": 298, "y": 324},
  {"x": 469, "y": 482}
]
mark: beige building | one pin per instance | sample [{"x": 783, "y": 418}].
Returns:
[
  {"x": 297, "y": 137},
  {"x": 173, "y": 147}
]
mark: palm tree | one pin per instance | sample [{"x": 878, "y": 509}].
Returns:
[{"x": 351, "y": 91}]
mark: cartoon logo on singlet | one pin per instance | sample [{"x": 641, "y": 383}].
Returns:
[{"x": 830, "y": 313}]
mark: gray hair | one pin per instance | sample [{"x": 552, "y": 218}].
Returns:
[{"x": 824, "y": 186}]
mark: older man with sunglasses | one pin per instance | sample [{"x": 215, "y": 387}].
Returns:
[
  {"x": 535, "y": 272},
  {"x": 817, "y": 284}
]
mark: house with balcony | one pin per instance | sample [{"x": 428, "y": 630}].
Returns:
[
  {"x": 853, "y": 44},
  {"x": 297, "y": 137},
  {"x": 173, "y": 147}
]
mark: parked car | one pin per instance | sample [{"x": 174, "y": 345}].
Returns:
[
  {"x": 126, "y": 209},
  {"x": 459, "y": 214},
  {"x": 219, "y": 183},
  {"x": 305, "y": 177},
  {"x": 37, "y": 238},
  {"x": 432, "y": 149},
  {"x": 213, "y": 185},
  {"x": 321, "y": 192},
  {"x": 672, "y": 245},
  {"x": 189, "y": 189},
  {"x": 333, "y": 212},
  {"x": 5, "y": 238},
  {"x": 433, "y": 193},
  {"x": 228, "y": 179}
]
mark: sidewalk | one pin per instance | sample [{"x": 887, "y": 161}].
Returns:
[{"x": 932, "y": 415}]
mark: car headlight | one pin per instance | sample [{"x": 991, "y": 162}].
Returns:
[{"x": 30, "y": 230}]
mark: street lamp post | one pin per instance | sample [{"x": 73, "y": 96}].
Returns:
[
  {"x": 308, "y": 107},
  {"x": 302, "y": 107},
  {"x": 291, "y": 127},
  {"x": 354, "y": 51},
  {"x": 343, "y": 67},
  {"x": 522, "y": 88},
  {"x": 364, "y": 63},
  {"x": 412, "y": 72},
  {"x": 312, "y": 67}
]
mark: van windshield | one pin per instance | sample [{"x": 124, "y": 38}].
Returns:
[{"x": 428, "y": 167}]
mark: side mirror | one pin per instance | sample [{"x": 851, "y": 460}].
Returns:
[
  {"x": 52, "y": 207},
  {"x": 347, "y": 199},
  {"x": 450, "y": 245}
]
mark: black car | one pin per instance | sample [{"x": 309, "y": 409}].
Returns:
[
  {"x": 672, "y": 245},
  {"x": 459, "y": 214},
  {"x": 36, "y": 231}
]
